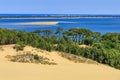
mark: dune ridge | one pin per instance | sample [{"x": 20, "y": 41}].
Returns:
[{"x": 65, "y": 70}]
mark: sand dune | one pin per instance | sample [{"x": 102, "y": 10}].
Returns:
[
  {"x": 40, "y": 23},
  {"x": 65, "y": 70}
]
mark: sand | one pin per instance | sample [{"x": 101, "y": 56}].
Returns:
[
  {"x": 40, "y": 23},
  {"x": 83, "y": 46},
  {"x": 65, "y": 70}
]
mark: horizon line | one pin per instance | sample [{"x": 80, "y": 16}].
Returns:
[{"x": 61, "y": 13}]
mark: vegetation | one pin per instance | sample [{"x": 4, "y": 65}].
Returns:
[
  {"x": 30, "y": 58},
  {"x": 19, "y": 47},
  {"x": 77, "y": 59},
  {"x": 101, "y": 48},
  {"x": 1, "y": 49}
]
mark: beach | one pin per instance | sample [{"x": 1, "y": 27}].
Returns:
[{"x": 64, "y": 70}]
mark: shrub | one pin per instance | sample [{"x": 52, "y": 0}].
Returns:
[
  {"x": 19, "y": 47},
  {"x": 36, "y": 57}
]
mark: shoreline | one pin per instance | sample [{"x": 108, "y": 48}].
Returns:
[{"x": 55, "y": 17}]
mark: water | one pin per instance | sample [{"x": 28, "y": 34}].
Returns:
[{"x": 102, "y": 25}]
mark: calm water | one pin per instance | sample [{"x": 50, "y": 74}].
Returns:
[{"x": 102, "y": 25}]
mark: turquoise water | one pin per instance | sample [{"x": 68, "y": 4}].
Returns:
[{"x": 102, "y": 25}]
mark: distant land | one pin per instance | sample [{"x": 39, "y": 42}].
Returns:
[{"x": 57, "y": 16}]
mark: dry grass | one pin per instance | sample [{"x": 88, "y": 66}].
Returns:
[
  {"x": 77, "y": 59},
  {"x": 30, "y": 58},
  {"x": 1, "y": 49}
]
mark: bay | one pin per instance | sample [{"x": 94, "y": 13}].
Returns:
[{"x": 102, "y": 25}]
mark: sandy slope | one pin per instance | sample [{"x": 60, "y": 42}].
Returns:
[{"x": 65, "y": 70}]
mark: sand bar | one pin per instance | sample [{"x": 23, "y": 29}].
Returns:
[{"x": 40, "y": 23}]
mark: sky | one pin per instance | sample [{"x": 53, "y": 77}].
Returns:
[{"x": 59, "y": 6}]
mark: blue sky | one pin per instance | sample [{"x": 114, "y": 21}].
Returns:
[{"x": 60, "y": 6}]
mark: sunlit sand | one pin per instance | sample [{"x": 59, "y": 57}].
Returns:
[
  {"x": 40, "y": 23},
  {"x": 65, "y": 70}
]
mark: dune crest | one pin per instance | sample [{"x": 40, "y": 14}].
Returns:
[{"x": 65, "y": 70}]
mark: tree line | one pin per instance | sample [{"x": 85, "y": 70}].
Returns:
[{"x": 101, "y": 48}]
